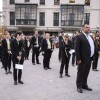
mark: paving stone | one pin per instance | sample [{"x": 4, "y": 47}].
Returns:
[{"x": 43, "y": 84}]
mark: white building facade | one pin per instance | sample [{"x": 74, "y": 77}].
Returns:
[{"x": 50, "y": 15}]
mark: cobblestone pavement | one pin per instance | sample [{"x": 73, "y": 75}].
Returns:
[{"x": 43, "y": 84}]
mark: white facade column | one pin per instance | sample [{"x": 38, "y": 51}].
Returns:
[{"x": 95, "y": 14}]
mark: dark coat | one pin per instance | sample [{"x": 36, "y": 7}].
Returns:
[
  {"x": 82, "y": 48},
  {"x": 65, "y": 48},
  {"x": 26, "y": 44},
  {"x": 16, "y": 48},
  {"x": 73, "y": 41},
  {"x": 33, "y": 41},
  {"x": 60, "y": 40},
  {"x": 44, "y": 48},
  {"x": 44, "y": 45},
  {"x": 5, "y": 49}
]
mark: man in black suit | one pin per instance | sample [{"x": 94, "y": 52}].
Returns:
[
  {"x": 84, "y": 48},
  {"x": 60, "y": 43},
  {"x": 47, "y": 49},
  {"x": 6, "y": 53},
  {"x": 35, "y": 43},
  {"x": 18, "y": 54},
  {"x": 73, "y": 42}
]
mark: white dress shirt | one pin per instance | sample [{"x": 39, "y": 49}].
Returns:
[{"x": 90, "y": 40}]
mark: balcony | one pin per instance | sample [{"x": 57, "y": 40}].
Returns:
[
  {"x": 25, "y": 22},
  {"x": 71, "y": 23},
  {"x": 26, "y": 15},
  {"x": 72, "y": 15}
]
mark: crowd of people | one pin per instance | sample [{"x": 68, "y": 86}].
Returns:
[{"x": 86, "y": 50}]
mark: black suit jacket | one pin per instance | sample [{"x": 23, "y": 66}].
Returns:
[
  {"x": 60, "y": 40},
  {"x": 33, "y": 41},
  {"x": 65, "y": 48},
  {"x": 16, "y": 48},
  {"x": 44, "y": 45},
  {"x": 5, "y": 48},
  {"x": 73, "y": 41},
  {"x": 82, "y": 48},
  {"x": 26, "y": 44}
]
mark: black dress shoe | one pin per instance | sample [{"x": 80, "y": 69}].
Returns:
[
  {"x": 67, "y": 75},
  {"x": 33, "y": 63},
  {"x": 6, "y": 73},
  {"x": 60, "y": 60},
  {"x": 45, "y": 68},
  {"x": 87, "y": 88},
  {"x": 80, "y": 90},
  {"x": 49, "y": 68},
  {"x": 15, "y": 83},
  {"x": 38, "y": 63},
  {"x": 10, "y": 72},
  {"x": 21, "y": 82},
  {"x": 2, "y": 67},
  {"x": 95, "y": 70},
  {"x": 60, "y": 76}
]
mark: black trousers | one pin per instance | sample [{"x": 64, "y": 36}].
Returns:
[
  {"x": 2, "y": 61},
  {"x": 27, "y": 52},
  {"x": 17, "y": 73},
  {"x": 83, "y": 72},
  {"x": 7, "y": 63},
  {"x": 59, "y": 55},
  {"x": 46, "y": 60},
  {"x": 73, "y": 58},
  {"x": 64, "y": 62},
  {"x": 95, "y": 61},
  {"x": 35, "y": 54}
]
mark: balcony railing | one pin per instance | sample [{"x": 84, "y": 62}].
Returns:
[
  {"x": 71, "y": 22},
  {"x": 25, "y": 22}
]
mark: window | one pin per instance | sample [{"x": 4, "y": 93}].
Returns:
[
  {"x": 42, "y": 2},
  {"x": 42, "y": 19},
  {"x": 26, "y": 14},
  {"x": 71, "y": 19},
  {"x": 56, "y": 2},
  {"x": 72, "y": 15},
  {"x": 87, "y": 2},
  {"x": 86, "y": 18},
  {"x": 27, "y": 0},
  {"x": 71, "y": 1},
  {"x": 56, "y": 19},
  {"x": 12, "y": 18},
  {"x": 12, "y": 1}
]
